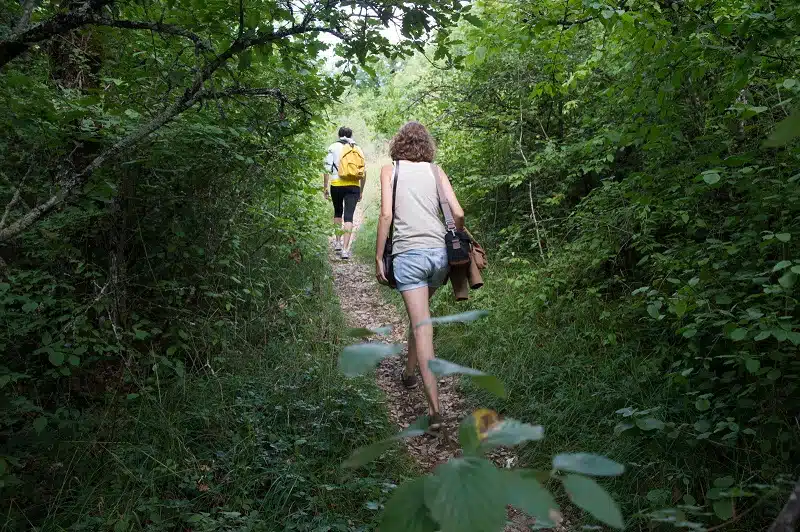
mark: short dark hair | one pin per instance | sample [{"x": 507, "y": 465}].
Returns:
[{"x": 345, "y": 132}]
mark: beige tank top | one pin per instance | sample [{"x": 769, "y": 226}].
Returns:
[{"x": 417, "y": 222}]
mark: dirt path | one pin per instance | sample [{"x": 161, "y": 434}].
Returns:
[{"x": 362, "y": 303}]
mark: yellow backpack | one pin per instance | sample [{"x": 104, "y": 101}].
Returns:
[{"x": 351, "y": 164}]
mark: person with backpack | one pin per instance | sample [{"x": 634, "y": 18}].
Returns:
[
  {"x": 345, "y": 162},
  {"x": 415, "y": 247}
]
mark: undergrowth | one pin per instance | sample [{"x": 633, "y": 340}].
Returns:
[{"x": 253, "y": 442}]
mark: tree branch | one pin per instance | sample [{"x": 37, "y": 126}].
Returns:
[
  {"x": 790, "y": 514},
  {"x": 25, "y": 18}
]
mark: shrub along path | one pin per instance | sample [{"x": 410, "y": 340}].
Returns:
[{"x": 364, "y": 306}]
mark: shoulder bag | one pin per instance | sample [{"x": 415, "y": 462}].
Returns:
[
  {"x": 388, "y": 266},
  {"x": 457, "y": 242}
]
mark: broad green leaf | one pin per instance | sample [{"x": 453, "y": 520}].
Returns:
[
  {"x": 723, "y": 482},
  {"x": 365, "y": 455},
  {"x": 752, "y": 364},
  {"x": 796, "y": 269},
  {"x": 468, "y": 435},
  {"x": 786, "y": 130},
  {"x": 782, "y": 265},
  {"x": 364, "y": 332},
  {"x": 774, "y": 374},
  {"x": 723, "y": 509},
  {"x": 490, "y": 383},
  {"x": 702, "y": 404},
  {"x": 464, "y": 317},
  {"x": 472, "y": 19},
  {"x": 763, "y": 335},
  {"x": 442, "y": 368},
  {"x": 466, "y": 494},
  {"x": 47, "y": 339},
  {"x": 649, "y": 423},
  {"x": 361, "y": 358},
  {"x": 783, "y": 237},
  {"x": 588, "y": 464},
  {"x": 589, "y": 495},
  {"x": 39, "y": 424},
  {"x": 788, "y": 280},
  {"x": 738, "y": 334},
  {"x": 406, "y": 511},
  {"x": 711, "y": 178},
  {"x": 513, "y": 432},
  {"x": 56, "y": 358},
  {"x": 524, "y": 492}
]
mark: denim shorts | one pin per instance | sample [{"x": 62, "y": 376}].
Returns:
[{"x": 417, "y": 268}]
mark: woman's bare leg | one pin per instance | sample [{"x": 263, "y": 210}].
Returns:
[{"x": 418, "y": 309}]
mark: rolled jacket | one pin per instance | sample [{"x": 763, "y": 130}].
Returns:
[{"x": 467, "y": 276}]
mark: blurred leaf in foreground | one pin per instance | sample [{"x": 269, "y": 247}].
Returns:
[{"x": 361, "y": 358}]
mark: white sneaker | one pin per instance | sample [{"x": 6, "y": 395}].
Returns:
[
  {"x": 337, "y": 246},
  {"x": 345, "y": 255}
]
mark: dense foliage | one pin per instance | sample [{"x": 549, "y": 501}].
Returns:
[
  {"x": 160, "y": 261},
  {"x": 632, "y": 166}
]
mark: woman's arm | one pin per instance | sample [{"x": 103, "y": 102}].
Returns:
[
  {"x": 384, "y": 220},
  {"x": 450, "y": 196}
]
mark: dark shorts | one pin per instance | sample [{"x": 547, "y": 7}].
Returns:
[{"x": 344, "y": 201}]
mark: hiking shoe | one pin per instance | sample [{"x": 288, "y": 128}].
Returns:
[
  {"x": 345, "y": 254},
  {"x": 410, "y": 381},
  {"x": 337, "y": 246},
  {"x": 435, "y": 422}
]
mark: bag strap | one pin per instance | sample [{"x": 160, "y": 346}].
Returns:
[
  {"x": 443, "y": 203},
  {"x": 394, "y": 195}
]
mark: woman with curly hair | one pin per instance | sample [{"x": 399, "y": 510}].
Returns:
[{"x": 419, "y": 255}]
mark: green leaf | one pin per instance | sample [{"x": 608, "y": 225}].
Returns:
[
  {"x": 442, "y": 368},
  {"x": 653, "y": 311},
  {"x": 752, "y": 364},
  {"x": 649, "y": 423},
  {"x": 472, "y": 19},
  {"x": 786, "y": 130},
  {"x": 702, "y": 404},
  {"x": 723, "y": 509},
  {"x": 588, "y": 464},
  {"x": 468, "y": 435},
  {"x": 463, "y": 317},
  {"x": 30, "y": 306},
  {"x": 711, "y": 177},
  {"x": 56, "y": 358},
  {"x": 490, "y": 383},
  {"x": 783, "y": 237},
  {"x": 774, "y": 374},
  {"x": 788, "y": 280},
  {"x": 796, "y": 269},
  {"x": 406, "y": 511},
  {"x": 466, "y": 494},
  {"x": 512, "y": 432},
  {"x": 361, "y": 358},
  {"x": 589, "y": 495},
  {"x": 47, "y": 339},
  {"x": 363, "y": 332},
  {"x": 738, "y": 334},
  {"x": 524, "y": 492},
  {"x": 365, "y": 455},
  {"x": 39, "y": 424},
  {"x": 763, "y": 335},
  {"x": 723, "y": 482},
  {"x": 782, "y": 265}
]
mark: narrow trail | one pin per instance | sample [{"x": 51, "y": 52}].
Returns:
[{"x": 364, "y": 306}]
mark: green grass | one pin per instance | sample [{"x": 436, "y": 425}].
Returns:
[
  {"x": 570, "y": 368},
  {"x": 254, "y": 444}
]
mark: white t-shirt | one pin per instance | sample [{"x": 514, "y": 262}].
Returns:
[{"x": 335, "y": 153}]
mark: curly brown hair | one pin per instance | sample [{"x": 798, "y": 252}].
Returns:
[{"x": 413, "y": 143}]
